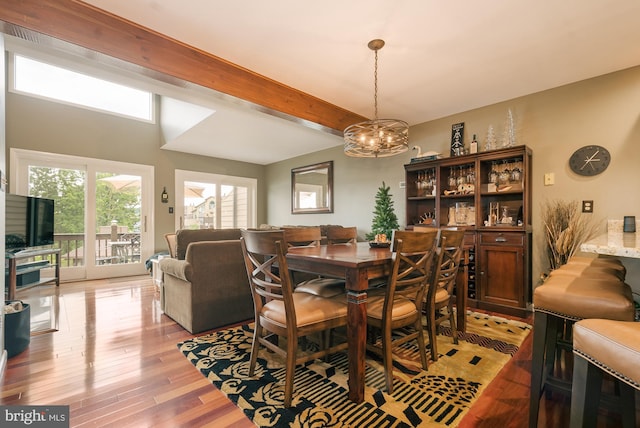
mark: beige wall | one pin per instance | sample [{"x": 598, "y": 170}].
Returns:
[
  {"x": 34, "y": 124},
  {"x": 554, "y": 123}
]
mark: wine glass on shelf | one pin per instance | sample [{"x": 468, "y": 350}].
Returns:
[
  {"x": 516, "y": 172},
  {"x": 505, "y": 174},
  {"x": 453, "y": 184},
  {"x": 493, "y": 173}
]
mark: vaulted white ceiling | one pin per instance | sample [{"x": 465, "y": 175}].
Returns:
[{"x": 440, "y": 57}]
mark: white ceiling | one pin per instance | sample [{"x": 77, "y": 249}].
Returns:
[{"x": 440, "y": 57}]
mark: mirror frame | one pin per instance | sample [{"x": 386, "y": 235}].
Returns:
[{"x": 298, "y": 173}]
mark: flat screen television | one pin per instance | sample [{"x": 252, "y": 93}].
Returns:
[{"x": 28, "y": 222}]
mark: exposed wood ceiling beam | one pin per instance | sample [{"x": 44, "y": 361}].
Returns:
[{"x": 84, "y": 25}]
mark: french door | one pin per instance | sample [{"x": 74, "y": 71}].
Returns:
[
  {"x": 103, "y": 215},
  {"x": 214, "y": 201}
]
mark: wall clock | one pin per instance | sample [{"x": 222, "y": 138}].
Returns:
[{"x": 589, "y": 160}]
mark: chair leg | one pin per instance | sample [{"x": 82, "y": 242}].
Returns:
[
  {"x": 452, "y": 322},
  {"x": 628, "y": 403},
  {"x": 537, "y": 365},
  {"x": 431, "y": 327},
  {"x": 387, "y": 357},
  {"x": 585, "y": 393},
  {"x": 255, "y": 347},
  {"x": 290, "y": 367},
  {"x": 421, "y": 344}
]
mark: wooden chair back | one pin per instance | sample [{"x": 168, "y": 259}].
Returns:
[
  {"x": 413, "y": 267},
  {"x": 302, "y": 236},
  {"x": 451, "y": 246},
  {"x": 171, "y": 244},
  {"x": 342, "y": 235},
  {"x": 441, "y": 289},
  {"x": 264, "y": 253}
]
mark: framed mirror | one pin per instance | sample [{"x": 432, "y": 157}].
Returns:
[{"x": 312, "y": 188}]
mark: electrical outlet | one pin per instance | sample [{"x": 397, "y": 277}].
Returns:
[
  {"x": 587, "y": 206},
  {"x": 549, "y": 179},
  {"x": 402, "y": 185}
]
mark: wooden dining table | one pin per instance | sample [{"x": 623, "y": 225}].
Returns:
[{"x": 357, "y": 264}]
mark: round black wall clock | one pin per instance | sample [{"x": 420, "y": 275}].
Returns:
[{"x": 589, "y": 160}]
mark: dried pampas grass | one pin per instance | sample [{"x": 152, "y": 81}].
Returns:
[{"x": 566, "y": 228}]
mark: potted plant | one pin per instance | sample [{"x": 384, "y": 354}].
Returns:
[
  {"x": 566, "y": 228},
  {"x": 385, "y": 220}
]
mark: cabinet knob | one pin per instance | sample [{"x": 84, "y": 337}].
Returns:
[{"x": 501, "y": 239}]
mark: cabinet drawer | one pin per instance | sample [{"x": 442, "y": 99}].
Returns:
[{"x": 500, "y": 238}]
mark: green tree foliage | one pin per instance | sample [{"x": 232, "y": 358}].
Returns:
[
  {"x": 122, "y": 205},
  {"x": 67, "y": 188},
  {"x": 385, "y": 219}
]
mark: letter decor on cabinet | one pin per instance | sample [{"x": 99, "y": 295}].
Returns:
[{"x": 489, "y": 195}]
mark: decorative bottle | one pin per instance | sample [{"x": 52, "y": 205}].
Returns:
[{"x": 473, "y": 146}]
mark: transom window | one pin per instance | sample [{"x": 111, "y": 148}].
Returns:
[{"x": 37, "y": 78}]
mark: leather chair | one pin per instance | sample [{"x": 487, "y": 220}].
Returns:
[
  {"x": 558, "y": 303},
  {"x": 399, "y": 304},
  {"x": 279, "y": 312},
  {"x": 604, "y": 346},
  {"x": 440, "y": 292}
]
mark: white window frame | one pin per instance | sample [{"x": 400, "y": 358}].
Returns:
[
  {"x": 77, "y": 68},
  {"x": 21, "y": 159},
  {"x": 181, "y": 176}
]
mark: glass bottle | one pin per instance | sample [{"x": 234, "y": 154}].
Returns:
[{"x": 473, "y": 146}]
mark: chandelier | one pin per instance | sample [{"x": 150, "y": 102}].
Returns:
[{"x": 378, "y": 137}]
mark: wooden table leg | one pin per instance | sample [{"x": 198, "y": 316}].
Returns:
[{"x": 356, "y": 332}]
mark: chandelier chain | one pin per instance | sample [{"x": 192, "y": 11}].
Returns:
[{"x": 375, "y": 87}]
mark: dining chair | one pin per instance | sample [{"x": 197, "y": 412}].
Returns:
[
  {"x": 398, "y": 306},
  {"x": 440, "y": 292},
  {"x": 302, "y": 236},
  {"x": 279, "y": 312},
  {"x": 171, "y": 244},
  {"x": 306, "y": 282},
  {"x": 342, "y": 235}
]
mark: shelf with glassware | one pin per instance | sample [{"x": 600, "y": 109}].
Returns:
[{"x": 489, "y": 195}]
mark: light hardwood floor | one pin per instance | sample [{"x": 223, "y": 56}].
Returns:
[{"x": 114, "y": 361}]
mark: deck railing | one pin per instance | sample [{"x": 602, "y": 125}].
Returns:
[{"x": 72, "y": 247}]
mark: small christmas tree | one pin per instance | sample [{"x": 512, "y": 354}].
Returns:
[
  {"x": 509, "y": 134},
  {"x": 490, "y": 142},
  {"x": 385, "y": 219}
]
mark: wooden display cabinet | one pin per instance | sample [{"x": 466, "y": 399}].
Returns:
[{"x": 489, "y": 195}]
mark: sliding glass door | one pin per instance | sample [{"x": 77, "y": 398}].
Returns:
[
  {"x": 213, "y": 201},
  {"x": 103, "y": 210}
]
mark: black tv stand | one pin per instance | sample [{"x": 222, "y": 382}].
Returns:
[{"x": 14, "y": 270}]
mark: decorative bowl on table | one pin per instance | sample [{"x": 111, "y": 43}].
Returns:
[{"x": 379, "y": 244}]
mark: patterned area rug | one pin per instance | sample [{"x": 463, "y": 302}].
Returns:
[{"x": 439, "y": 396}]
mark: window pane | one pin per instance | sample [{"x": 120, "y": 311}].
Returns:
[
  {"x": 66, "y": 188},
  {"x": 234, "y": 207},
  {"x": 48, "y": 81},
  {"x": 199, "y": 205}
]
